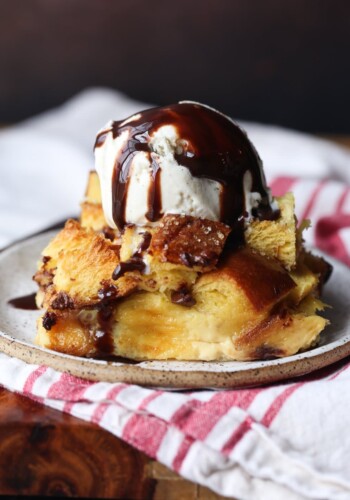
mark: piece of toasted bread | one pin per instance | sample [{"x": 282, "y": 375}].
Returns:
[{"x": 276, "y": 239}]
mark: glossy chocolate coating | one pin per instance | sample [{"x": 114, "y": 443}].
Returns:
[
  {"x": 135, "y": 263},
  {"x": 212, "y": 147},
  {"x": 26, "y": 302}
]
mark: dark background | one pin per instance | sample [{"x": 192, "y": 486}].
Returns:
[{"x": 275, "y": 61}]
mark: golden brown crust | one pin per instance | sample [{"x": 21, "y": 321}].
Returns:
[
  {"x": 264, "y": 281},
  {"x": 93, "y": 189},
  {"x": 92, "y": 216},
  {"x": 280, "y": 336},
  {"x": 82, "y": 263},
  {"x": 227, "y": 321},
  {"x": 67, "y": 334},
  {"x": 276, "y": 239},
  {"x": 189, "y": 241}
]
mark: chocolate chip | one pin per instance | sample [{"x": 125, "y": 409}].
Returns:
[
  {"x": 62, "y": 301},
  {"x": 182, "y": 297},
  {"x": 133, "y": 264},
  {"x": 108, "y": 291},
  {"x": 49, "y": 320}
]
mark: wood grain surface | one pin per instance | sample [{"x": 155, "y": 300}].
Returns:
[{"x": 44, "y": 452}]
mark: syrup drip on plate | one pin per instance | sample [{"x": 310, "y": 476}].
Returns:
[{"x": 26, "y": 302}]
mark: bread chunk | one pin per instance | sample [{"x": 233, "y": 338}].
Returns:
[
  {"x": 93, "y": 189},
  {"x": 229, "y": 319},
  {"x": 276, "y": 239},
  {"x": 189, "y": 241},
  {"x": 82, "y": 263}
]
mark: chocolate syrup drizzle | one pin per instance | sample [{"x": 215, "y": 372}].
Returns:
[
  {"x": 213, "y": 147},
  {"x": 104, "y": 336},
  {"x": 135, "y": 263}
]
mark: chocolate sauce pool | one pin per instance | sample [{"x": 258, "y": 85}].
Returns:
[
  {"x": 27, "y": 302},
  {"x": 213, "y": 147}
]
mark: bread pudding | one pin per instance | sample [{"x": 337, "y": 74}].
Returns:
[{"x": 180, "y": 251}]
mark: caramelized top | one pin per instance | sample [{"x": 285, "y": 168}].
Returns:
[
  {"x": 189, "y": 241},
  {"x": 212, "y": 147},
  {"x": 265, "y": 282}
]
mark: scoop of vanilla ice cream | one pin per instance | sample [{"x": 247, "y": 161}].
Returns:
[
  {"x": 181, "y": 193},
  {"x": 185, "y": 158}
]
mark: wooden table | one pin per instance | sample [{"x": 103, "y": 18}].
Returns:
[{"x": 48, "y": 453}]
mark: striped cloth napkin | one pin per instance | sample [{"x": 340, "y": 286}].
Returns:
[{"x": 287, "y": 440}]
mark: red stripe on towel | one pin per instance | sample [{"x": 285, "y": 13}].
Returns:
[
  {"x": 101, "y": 409},
  {"x": 145, "y": 432},
  {"x": 312, "y": 200},
  {"x": 267, "y": 419},
  {"x": 278, "y": 404},
  {"x": 342, "y": 199},
  {"x": 198, "y": 419},
  {"x": 237, "y": 435},
  {"x": 151, "y": 397},
  {"x": 32, "y": 378},
  {"x": 281, "y": 185},
  {"x": 327, "y": 236},
  {"x": 68, "y": 387},
  {"x": 182, "y": 453}
]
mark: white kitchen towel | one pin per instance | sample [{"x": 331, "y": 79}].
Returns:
[{"x": 285, "y": 441}]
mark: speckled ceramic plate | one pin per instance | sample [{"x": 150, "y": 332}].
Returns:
[{"x": 17, "y": 331}]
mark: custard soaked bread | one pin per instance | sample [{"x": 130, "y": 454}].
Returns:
[{"x": 189, "y": 272}]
